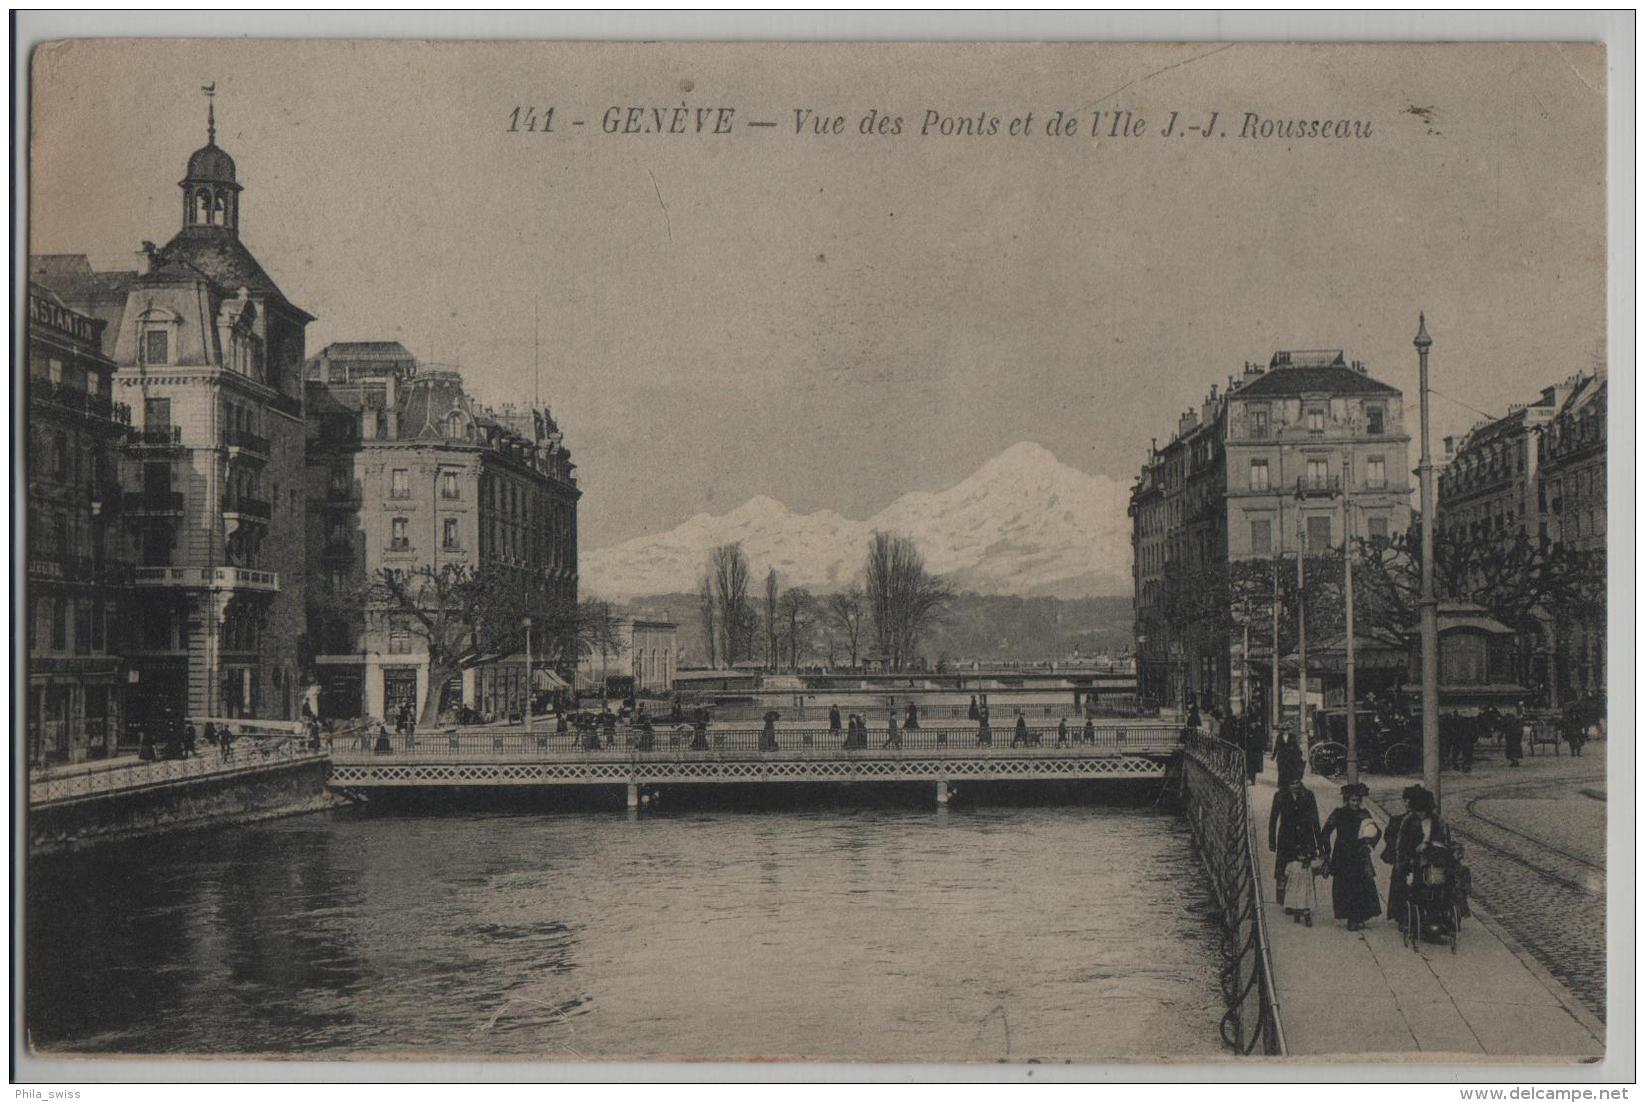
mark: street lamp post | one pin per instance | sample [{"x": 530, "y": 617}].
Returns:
[
  {"x": 1302, "y": 624},
  {"x": 526, "y": 622},
  {"x": 1348, "y": 603},
  {"x": 1428, "y": 605}
]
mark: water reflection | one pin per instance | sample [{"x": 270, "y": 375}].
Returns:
[{"x": 1076, "y": 932}]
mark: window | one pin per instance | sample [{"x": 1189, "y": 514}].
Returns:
[
  {"x": 1319, "y": 474},
  {"x": 1259, "y": 474},
  {"x": 59, "y": 625},
  {"x": 1259, "y": 421},
  {"x": 401, "y": 540},
  {"x": 1316, "y": 420},
  {"x": 448, "y": 537},
  {"x": 1262, "y": 537},
  {"x": 399, "y": 483},
  {"x": 448, "y": 485},
  {"x": 399, "y": 637},
  {"x": 340, "y": 481},
  {"x": 1319, "y": 533},
  {"x": 54, "y": 369},
  {"x": 157, "y": 347},
  {"x": 1376, "y": 474},
  {"x": 1378, "y": 527}
]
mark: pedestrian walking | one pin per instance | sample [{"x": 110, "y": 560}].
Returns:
[
  {"x": 768, "y": 734},
  {"x": 1019, "y": 738},
  {"x": 1062, "y": 732},
  {"x": 1089, "y": 735},
  {"x": 972, "y": 713},
  {"x": 1576, "y": 728},
  {"x": 188, "y": 739},
  {"x": 1288, "y": 755},
  {"x": 1193, "y": 714},
  {"x": 1513, "y": 740},
  {"x": 1399, "y": 842},
  {"x": 226, "y": 735},
  {"x": 893, "y": 737},
  {"x": 1294, "y": 838},
  {"x": 911, "y": 720},
  {"x": 1351, "y": 836},
  {"x": 985, "y": 734},
  {"x": 834, "y": 719},
  {"x": 1255, "y": 746}
]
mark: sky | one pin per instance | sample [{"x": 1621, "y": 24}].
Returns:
[{"x": 833, "y": 320}]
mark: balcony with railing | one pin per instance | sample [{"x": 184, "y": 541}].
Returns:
[
  {"x": 152, "y": 503},
  {"x": 1318, "y": 486},
  {"x": 66, "y": 397},
  {"x": 160, "y": 436},
  {"x": 243, "y": 442},
  {"x": 208, "y": 578},
  {"x": 254, "y": 509}
]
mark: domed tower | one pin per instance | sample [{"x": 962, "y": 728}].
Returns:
[{"x": 211, "y": 197}]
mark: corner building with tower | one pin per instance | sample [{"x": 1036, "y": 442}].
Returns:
[{"x": 209, "y": 355}]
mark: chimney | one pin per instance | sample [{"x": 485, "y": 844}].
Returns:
[
  {"x": 1360, "y": 366},
  {"x": 1450, "y": 447}
]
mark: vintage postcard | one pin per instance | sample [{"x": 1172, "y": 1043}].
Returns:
[{"x": 1067, "y": 553}]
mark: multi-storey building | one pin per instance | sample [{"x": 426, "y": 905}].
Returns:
[
  {"x": 76, "y": 575},
  {"x": 209, "y": 354},
  {"x": 1282, "y": 459},
  {"x": 406, "y": 471},
  {"x": 1490, "y": 495},
  {"x": 1571, "y": 485}
]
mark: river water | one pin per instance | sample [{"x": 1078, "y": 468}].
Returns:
[{"x": 1076, "y": 932}]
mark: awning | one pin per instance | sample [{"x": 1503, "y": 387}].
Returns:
[{"x": 547, "y": 679}]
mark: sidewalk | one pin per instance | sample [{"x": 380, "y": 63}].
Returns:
[{"x": 1364, "y": 994}]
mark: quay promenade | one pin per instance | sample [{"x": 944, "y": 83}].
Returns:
[{"x": 1365, "y": 995}]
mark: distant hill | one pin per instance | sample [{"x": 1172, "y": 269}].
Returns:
[
  {"x": 1022, "y": 523},
  {"x": 979, "y": 626}
]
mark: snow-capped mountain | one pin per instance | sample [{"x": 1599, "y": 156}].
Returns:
[{"x": 1022, "y": 523}]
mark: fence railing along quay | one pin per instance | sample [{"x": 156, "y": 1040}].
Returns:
[
  {"x": 54, "y": 784},
  {"x": 877, "y": 709},
  {"x": 676, "y": 741},
  {"x": 1219, "y": 817}
]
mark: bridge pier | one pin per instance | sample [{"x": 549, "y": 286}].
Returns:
[
  {"x": 942, "y": 792},
  {"x": 633, "y": 796}
]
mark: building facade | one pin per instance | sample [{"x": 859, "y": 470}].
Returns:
[
  {"x": 209, "y": 356},
  {"x": 645, "y": 649},
  {"x": 1287, "y": 457},
  {"x": 406, "y": 471},
  {"x": 1490, "y": 493},
  {"x": 1571, "y": 453},
  {"x": 77, "y": 573}
]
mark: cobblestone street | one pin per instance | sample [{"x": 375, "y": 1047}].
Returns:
[{"x": 1535, "y": 839}]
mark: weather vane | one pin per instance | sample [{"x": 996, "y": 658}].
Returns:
[{"x": 211, "y": 115}]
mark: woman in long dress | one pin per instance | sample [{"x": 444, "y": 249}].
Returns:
[{"x": 1352, "y": 836}]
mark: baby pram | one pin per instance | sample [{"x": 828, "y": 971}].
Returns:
[{"x": 1437, "y": 898}]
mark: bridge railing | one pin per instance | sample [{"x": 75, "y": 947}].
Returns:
[
  {"x": 121, "y": 775},
  {"x": 1112, "y": 708},
  {"x": 1106, "y": 739},
  {"x": 1218, "y": 810}
]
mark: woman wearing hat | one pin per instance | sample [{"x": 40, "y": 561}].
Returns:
[
  {"x": 1418, "y": 829},
  {"x": 1412, "y": 795},
  {"x": 1351, "y": 835}
]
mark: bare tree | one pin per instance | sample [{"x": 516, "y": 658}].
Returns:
[
  {"x": 798, "y": 609},
  {"x": 771, "y": 623},
  {"x": 465, "y": 614},
  {"x": 729, "y": 568},
  {"x": 705, "y": 607},
  {"x": 904, "y": 599},
  {"x": 844, "y": 612}
]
